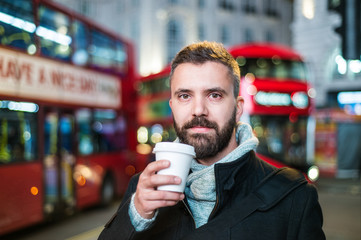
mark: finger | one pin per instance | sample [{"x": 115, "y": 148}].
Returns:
[
  {"x": 155, "y": 166},
  {"x": 161, "y": 196},
  {"x": 158, "y": 199},
  {"x": 167, "y": 198},
  {"x": 158, "y": 180},
  {"x": 147, "y": 202},
  {"x": 162, "y": 203},
  {"x": 149, "y": 178}
]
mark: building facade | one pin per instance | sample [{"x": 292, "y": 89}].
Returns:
[
  {"x": 337, "y": 80},
  {"x": 160, "y": 28},
  {"x": 314, "y": 35}
]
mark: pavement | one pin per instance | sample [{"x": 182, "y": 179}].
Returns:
[
  {"x": 340, "y": 200},
  {"x": 339, "y": 186}
]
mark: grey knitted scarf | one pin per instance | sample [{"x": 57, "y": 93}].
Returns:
[{"x": 200, "y": 187}]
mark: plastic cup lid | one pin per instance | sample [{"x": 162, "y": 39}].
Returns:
[{"x": 174, "y": 147}]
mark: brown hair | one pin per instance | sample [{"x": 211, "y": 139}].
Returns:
[{"x": 199, "y": 53}]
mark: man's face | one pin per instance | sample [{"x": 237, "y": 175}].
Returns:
[{"x": 204, "y": 108}]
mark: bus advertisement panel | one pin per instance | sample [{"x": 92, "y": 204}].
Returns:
[
  {"x": 278, "y": 105},
  {"x": 23, "y": 75},
  {"x": 67, "y": 130}
]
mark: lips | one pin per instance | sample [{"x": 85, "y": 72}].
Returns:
[{"x": 200, "y": 129}]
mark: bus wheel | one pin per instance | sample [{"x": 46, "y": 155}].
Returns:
[{"x": 108, "y": 191}]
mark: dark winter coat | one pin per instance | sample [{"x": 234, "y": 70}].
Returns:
[{"x": 294, "y": 214}]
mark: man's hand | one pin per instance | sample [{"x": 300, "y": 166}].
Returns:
[{"x": 147, "y": 199}]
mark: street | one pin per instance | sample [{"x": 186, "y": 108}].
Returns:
[
  {"x": 341, "y": 204},
  {"x": 340, "y": 201}
]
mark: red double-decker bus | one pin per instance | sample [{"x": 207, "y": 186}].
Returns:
[
  {"x": 67, "y": 130},
  {"x": 278, "y": 105},
  {"x": 278, "y": 102}
]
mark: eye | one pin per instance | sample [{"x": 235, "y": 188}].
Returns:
[
  {"x": 183, "y": 96},
  {"x": 215, "y": 96}
]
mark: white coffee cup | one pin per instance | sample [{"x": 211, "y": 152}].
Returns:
[{"x": 180, "y": 156}]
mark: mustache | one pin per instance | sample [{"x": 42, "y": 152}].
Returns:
[{"x": 200, "y": 122}]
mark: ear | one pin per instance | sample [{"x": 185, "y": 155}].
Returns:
[
  {"x": 170, "y": 104},
  {"x": 240, "y": 102}
]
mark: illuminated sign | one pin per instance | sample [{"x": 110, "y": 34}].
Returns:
[
  {"x": 297, "y": 99},
  {"x": 19, "y": 106},
  {"x": 273, "y": 99},
  {"x": 350, "y": 101},
  {"x": 349, "y": 97}
]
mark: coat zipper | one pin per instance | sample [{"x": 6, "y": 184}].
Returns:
[
  {"x": 190, "y": 213},
  {"x": 214, "y": 209}
]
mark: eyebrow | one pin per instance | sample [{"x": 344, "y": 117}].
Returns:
[
  {"x": 182, "y": 90},
  {"x": 217, "y": 89},
  {"x": 209, "y": 90}
]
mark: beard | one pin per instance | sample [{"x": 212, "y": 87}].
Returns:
[{"x": 206, "y": 144}]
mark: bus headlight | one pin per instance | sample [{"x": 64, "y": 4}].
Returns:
[{"x": 313, "y": 173}]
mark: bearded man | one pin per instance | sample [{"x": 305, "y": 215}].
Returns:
[{"x": 230, "y": 193}]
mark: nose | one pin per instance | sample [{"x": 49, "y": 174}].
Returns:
[{"x": 199, "y": 107}]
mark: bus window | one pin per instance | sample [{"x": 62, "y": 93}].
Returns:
[
  {"x": 120, "y": 57},
  {"x": 18, "y": 128},
  {"x": 101, "y": 50},
  {"x": 66, "y": 130},
  {"x": 53, "y": 31},
  {"x": 280, "y": 138},
  {"x": 81, "y": 33},
  {"x": 109, "y": 131},
  {"x": 58, "y": 133},
  {"x": 51, "y": 134},
  {"x": 103, "y": 127},
  {"x": 156, "y": 86},
  {"x": 263, "y": 67},
  {"x": 85, "y": 138},
  {"x": 120, "y": 134},
  {"x": 273, "y": 68},
  {"x": 297, "y": 70},
  {"x": 280, "y": 71},
  {"x": 17, "y": 25}
]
